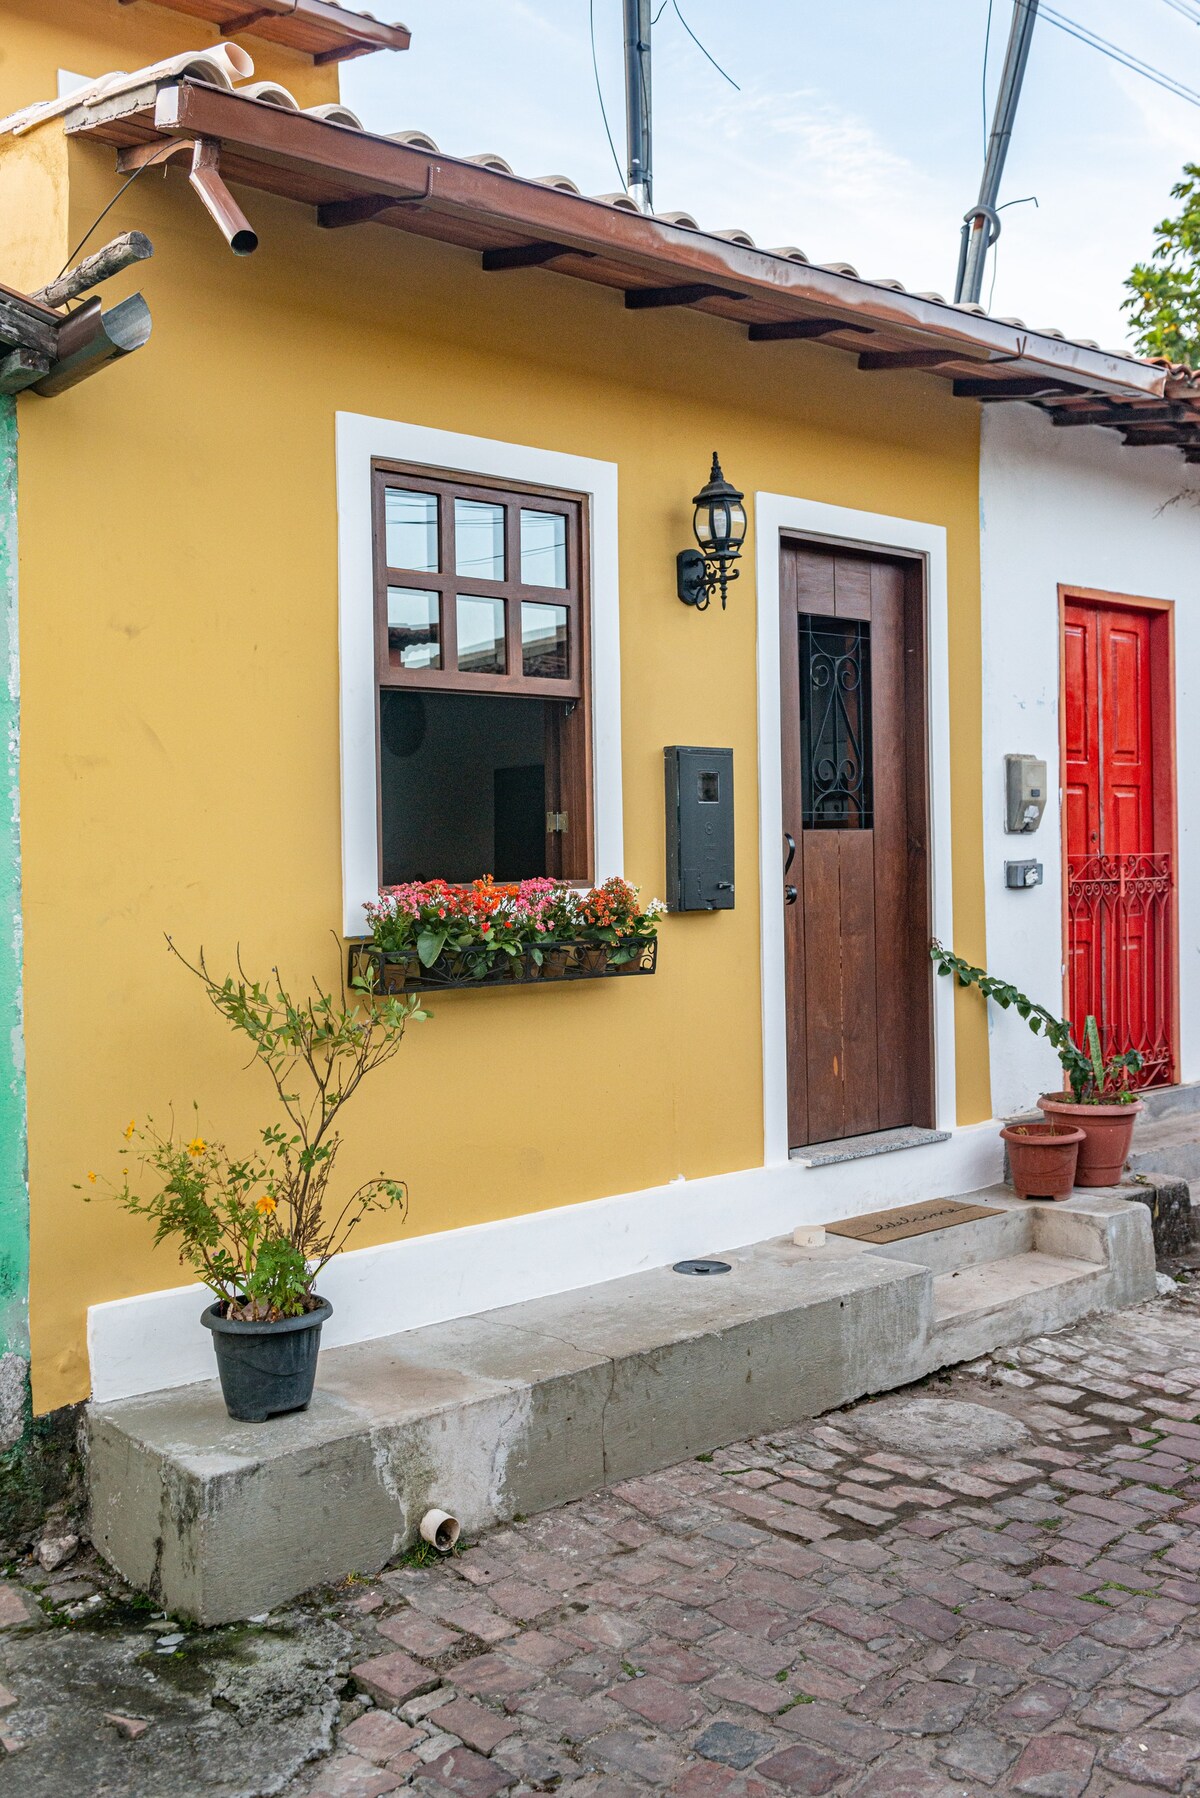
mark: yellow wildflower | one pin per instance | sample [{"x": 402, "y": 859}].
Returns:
[
  {"x": 91, "y": 1176},
  {"x": 265, "y": 1205},
  {"x": 196, "y": 1147},
  {"x": 130, "y": 1127}
]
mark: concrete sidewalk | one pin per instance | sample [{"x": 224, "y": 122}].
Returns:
[{"x": 987, "y": 1582}]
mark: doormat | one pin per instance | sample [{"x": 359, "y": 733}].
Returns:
[{"x": 909, "y": 1220}]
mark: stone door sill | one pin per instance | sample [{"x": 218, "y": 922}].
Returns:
[{"x": 854, "y": 1148}]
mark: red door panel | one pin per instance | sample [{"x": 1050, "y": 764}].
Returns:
[{"x": 1120, "y": 915}]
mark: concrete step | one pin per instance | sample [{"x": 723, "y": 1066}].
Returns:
[
  {"x": 979, "y": 1292},
  {"x": 1171, "y": 1101},
  {"x": 1168, "y": 1143},
  {"x": 1009, "y": 1231},
  {"x": 523, "y": 1408}
]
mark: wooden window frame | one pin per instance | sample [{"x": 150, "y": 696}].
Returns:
[
  {"x": 569, "y": 789},
  {"x": 512, "y": 592}
]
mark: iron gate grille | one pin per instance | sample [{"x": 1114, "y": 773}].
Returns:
[
  {"x": 1119, "y": 919},
  {"x": 835, "y": 724}
]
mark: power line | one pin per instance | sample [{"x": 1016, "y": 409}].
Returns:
[
  {"x": 1074, "y": 29},
  {"x": 716, "y": 65},
  {"x": 1184, "y": 10},
  {"x": 600, "y": 97},
  {"x": 151, "y": 162}
]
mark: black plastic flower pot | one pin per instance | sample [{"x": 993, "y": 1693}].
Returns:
[{"x": 266, "y": 1368}]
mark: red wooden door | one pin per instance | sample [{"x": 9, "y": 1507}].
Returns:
[
  {"x": 855, "y": 833},
  {"x": 1117, "y": 782}
]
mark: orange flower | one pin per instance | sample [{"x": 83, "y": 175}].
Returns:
[
  {"x": 196, "y": 1147},
  {"x": 265, "y": 1205}
]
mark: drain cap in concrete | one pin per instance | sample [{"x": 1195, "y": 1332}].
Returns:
[{"x": 936, "y": 1429}]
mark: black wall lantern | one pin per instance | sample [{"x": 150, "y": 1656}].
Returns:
[{"x": 720, "y": 527}]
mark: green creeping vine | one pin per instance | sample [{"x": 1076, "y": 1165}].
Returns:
[{"x": 1093, "y": 1081}]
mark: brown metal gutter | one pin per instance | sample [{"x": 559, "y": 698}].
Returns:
[
  {"x": 321, "y": 158},
  {"x": 43, "y": 351}
]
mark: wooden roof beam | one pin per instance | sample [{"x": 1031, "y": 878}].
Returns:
[
  {"x": 1102, "y": 413},
  {"x": 1145, "y": 436},
  {"x": 528, "y": 255},
  {"x": 334, "y": 215},
  {"x": 21, "y": 368},
  {"x": 644, "y": 299},
  {"x": 787, "y": 330},
  {"x": 879, "y": 361},
  {"x": 1020, "y": 387}
]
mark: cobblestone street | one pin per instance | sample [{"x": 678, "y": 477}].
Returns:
[{"x": 985, "y": 1583}]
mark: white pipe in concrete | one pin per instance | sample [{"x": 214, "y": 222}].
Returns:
[{"x": 440, "y": 1530}]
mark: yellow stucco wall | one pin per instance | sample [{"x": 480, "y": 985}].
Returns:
[{"x": 180, "y": 710}]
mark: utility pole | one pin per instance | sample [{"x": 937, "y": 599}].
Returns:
[
  {"x": 981, "y": 226},
  {"x": 638, "y": 122}
]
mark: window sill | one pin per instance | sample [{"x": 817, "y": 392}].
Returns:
[{"x": 559, "y": 963}]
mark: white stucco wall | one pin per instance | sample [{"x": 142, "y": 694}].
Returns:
[{"x": 1073, "y": 505}]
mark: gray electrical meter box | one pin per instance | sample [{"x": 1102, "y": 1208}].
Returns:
[
  {"x": 1025, "y": 792},
  {"x": 699, "y": 829}
]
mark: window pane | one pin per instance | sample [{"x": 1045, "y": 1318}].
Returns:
[
  {"x": 464, "y": 785},
  {"x": 480, "y": 635},
  {"x": 543, "y": 549},
  {"x": 414, "y": 634},
  {"x": 411, "y": 521},
  {"x": 835, "y": 724},
  {"x": 478, "y": 540},
  {"x": 544, "y": 641}
]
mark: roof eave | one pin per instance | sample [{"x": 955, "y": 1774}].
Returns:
[{"x": 651, "y": 246}]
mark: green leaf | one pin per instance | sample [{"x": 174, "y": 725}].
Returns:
[{"x": 430, "y": 944}]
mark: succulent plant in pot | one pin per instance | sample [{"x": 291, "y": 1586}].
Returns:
[
  {"x": 1098, "y": 1099},
  {"x": 258, "y": 1228}
]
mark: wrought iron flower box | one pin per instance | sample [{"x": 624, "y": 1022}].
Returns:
[{"x": 548, "y": 964}]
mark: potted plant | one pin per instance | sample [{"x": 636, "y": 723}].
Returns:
[
  {"x": 1103, "y": 1105},
  {"x": 1099, "y": 1100},
  {"x": 1042, "y": 1158},
  {"x": 428, "y": 933},
  {"x": 257, "y": 1229}
]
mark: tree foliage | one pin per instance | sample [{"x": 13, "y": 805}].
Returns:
[{"x": 1164, "y": 293}]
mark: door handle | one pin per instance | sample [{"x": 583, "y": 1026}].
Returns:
[
  {"x": 790, "y": 840},
  {"x": 790, "y": 895}
]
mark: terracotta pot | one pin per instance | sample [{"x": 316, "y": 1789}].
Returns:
[
  {"x": 1107, "y": 1131},
  {"x": 1042, "y": 1158}
]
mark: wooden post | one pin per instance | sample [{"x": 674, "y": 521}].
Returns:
[{"x": 121, "y": 253}]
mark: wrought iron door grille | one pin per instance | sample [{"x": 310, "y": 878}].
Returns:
[
  {"x": 835, "y": 723},
  {"x": 1119, "y": 922}
]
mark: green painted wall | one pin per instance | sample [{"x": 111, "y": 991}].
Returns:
[{"x": 14, "y": 1188}]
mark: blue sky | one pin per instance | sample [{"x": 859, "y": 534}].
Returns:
[{"x": 857, "y": 134}]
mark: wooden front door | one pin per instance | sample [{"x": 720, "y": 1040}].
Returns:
[
  {"x": 855, "y": 872},
  {"x": 1118, "y": 791}
]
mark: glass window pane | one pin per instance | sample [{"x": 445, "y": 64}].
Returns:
[
  {"x": 543, "y": 549},
  {"x": 544, "y": 641},
  {"x": 411, "y": 521},
  {"x": 414, "y": 634},
  {"x": 480, "y": 635},
  {"x": 478, "y": 540},
  {"x": 835, "y": 724}
]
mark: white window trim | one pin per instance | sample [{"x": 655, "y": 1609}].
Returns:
[
  {"x": 360, "y": 439},
  {"x": 775, "y": 514}
]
